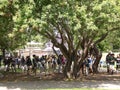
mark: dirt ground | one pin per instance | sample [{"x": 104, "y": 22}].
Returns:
[
  {"x": 22, "y": 81},
  {"x": 103, "y": 76}
]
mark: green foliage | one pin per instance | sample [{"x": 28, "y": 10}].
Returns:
[
  {"x": 6, "y": 23},
  {"x": 114, "y": 40},
  {"x": 88, "y": 19},
  {"x": 105, "y": 46},
  {"x": 71, "y": 18},
  {"x": 12, "y": 34}
]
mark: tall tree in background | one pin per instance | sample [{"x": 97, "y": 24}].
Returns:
[
  {"x": 13, "y": 25},
  {"x": 6, "y": 23}
]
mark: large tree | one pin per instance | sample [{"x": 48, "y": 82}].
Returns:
[{"x": 77, "y": 24}]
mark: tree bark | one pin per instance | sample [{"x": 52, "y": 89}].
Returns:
[
  {"x": 97, "y": 54},
  {"x": 96, "y": 63},
  {"x": 79, "y": 63},
  {"x": 75, "y": 60},
  {"x": 3, "y": 54},
  {"x": 67, "y": 69}
]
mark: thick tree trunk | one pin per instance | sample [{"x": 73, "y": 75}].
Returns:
[
  {"x": 67, "y": 69},
  {"x": 75, "y": 72},
  {"x": 97, "y": 54},
  {"x": 78, "y": 64},
  {"x": 96, "y": 63},
  {"x": 71, "y": 66}
]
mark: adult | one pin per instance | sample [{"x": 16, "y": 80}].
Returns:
[
  {"x": 29, "y": 64},
  {"x": 13, "y": 65},
  {"x": 111, "y": 62},
  {"x": 23, "y": 64},
  {"x": 35, "y": 61},
  {"x": 59, "y": 62},
  {"x": 108, "y": 57},
  {"x": 90, "y": 62},
  {"x": 118, "y": 61}
]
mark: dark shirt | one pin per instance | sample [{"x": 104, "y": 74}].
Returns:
[
  {"x": 112, "y": 60},
  {"x": 28, "y": 62}
]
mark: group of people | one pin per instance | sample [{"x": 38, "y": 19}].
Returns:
[
  {"x": 52, "y": 63},
  {"x": 45, "y": 63},
  {"x": 112, "y": 62}
]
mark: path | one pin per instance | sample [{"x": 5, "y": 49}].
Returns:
[{"x": 39, "y": 85}]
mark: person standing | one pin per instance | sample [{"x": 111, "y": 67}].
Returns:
[
  {"x": 118, "y": 61},
  {"x": 108, "y": 57},
  {"x": 23, "y": 63},
  {"x": 34, "y": 61},
  {"x": 29, "y": 64},
  {"x": 111, "y": 62},
  {"x": 90, "y": 62}
]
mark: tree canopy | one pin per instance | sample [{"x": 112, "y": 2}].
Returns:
[{"x": 77, "y": 24}]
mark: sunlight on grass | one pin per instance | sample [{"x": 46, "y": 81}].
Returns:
[
  {"x": 5, "y": 88},
  {"x": 79, "y": 89}
]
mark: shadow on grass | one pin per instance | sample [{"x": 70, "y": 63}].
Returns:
[{"x": 22, "y": 81}]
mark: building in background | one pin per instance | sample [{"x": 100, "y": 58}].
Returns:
[{"x": 37, "y": 49}]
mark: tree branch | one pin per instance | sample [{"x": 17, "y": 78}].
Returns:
[{"x": 101, "y": 38}]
